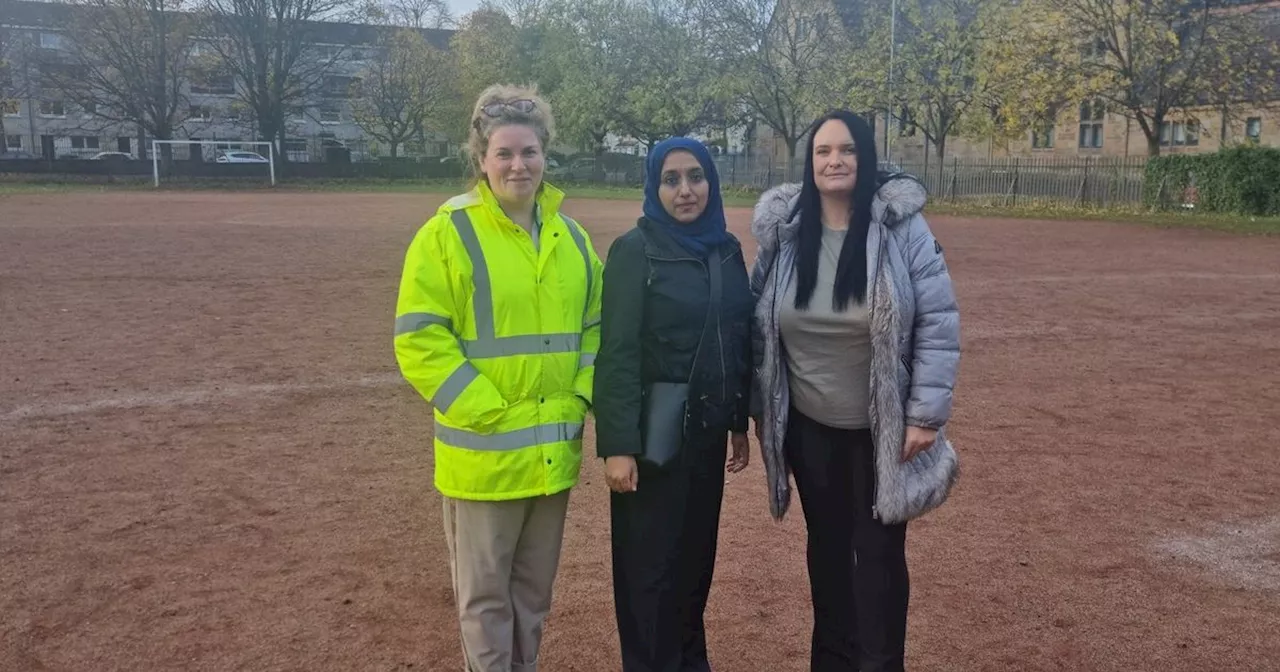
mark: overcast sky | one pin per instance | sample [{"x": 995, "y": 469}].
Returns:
[{"x": 462, "y": 7}]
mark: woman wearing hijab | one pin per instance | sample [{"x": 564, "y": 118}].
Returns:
[
  {"x": 858, "y": 349},
  {"x": 676, "y": 313}
]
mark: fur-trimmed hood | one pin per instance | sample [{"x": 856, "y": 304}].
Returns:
[{"x": 899, "y": 198}]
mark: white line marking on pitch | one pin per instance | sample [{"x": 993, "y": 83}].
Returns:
[
  {"x": 1246, "y": 555},
  {"x": 191, "y": 397}
]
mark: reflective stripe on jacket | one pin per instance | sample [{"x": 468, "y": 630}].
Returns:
[{"x": 500, "y": 337}]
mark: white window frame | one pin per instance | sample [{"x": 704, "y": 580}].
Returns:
[
  {"x": 53, "y": 115},
  {"x": 1095, "y": 123},
  {"x": 1253, "y": 128},
  {"x": 337, "y": 111}
]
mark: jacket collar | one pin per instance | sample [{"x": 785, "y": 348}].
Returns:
[{"x": 548, "y": 200}]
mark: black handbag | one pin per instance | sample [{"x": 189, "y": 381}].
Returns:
[{"x": 665, "y": 410}]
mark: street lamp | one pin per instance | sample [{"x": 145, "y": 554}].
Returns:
[{"x": 893, "y": 44}]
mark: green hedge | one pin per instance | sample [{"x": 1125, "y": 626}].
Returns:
[{"x": 1243, "y": 180}]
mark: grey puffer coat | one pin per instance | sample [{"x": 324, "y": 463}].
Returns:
[{"x": 915, "y": 336}]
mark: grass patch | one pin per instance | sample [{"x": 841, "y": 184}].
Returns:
[
  {"x": 1240, "y": 224},
  {"x": 733, "y": 197}
]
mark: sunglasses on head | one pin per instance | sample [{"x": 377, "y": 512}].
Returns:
[{"x": 524, "y": 105}]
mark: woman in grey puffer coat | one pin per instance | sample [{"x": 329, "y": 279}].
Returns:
[{"x": 857, "y": 349}]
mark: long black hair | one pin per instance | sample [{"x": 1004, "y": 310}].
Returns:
[{"x": 851, "y": 272}]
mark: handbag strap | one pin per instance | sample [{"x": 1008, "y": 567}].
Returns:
[{"x": 715, "y": 281}]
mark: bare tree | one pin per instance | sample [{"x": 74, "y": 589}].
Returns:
[
  {"x": 402, "y": 88},
  {"x": 779, "y": 48},
  {"x": 421, "y": 14},
  {"x": 127, "y": 63},
  {"x": 274, "y": 50}
]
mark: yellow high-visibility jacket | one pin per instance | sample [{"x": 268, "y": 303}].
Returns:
[{"x": 501, "y": 337}]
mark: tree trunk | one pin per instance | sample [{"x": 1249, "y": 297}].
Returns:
[
  {"x": 4, "y": 139},
  {"x": 1151, "y": 129},
  {"x": 792, "y": 145},
  {"x": 395, "y": 147}
]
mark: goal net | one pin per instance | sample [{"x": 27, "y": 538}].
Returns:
[{"x": 213, "y": 158}]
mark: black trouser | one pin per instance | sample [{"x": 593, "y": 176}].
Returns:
[
  {"x": 857, "y": 565},
  {"x": 664, "y": 552}
]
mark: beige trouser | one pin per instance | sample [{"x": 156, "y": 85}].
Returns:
[{"x": 504, "y": 557}]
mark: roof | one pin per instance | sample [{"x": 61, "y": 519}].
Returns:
[{"x": 56, "y": 16}]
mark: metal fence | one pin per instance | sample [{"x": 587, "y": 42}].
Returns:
[
  {"x": 1079, "y": 182},
  {"x": 1083, "y": 181},
  {"x": 1086, "y": 182}
]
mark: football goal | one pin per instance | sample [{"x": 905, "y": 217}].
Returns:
[{"x": 250, "y": 153}]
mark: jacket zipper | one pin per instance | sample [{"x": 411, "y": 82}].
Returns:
[
  {"x": 724, "y": 391},
  {"x": 693, "y": 367}
]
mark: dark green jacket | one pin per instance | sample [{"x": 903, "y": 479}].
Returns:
[{"x": 653, "y": 311}]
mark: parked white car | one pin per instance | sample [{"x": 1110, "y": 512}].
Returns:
[
  {"x": 241, "y": 157},
  {"x": 113, "y": 156}
]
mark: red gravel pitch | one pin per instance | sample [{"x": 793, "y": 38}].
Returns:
[{"x": 207, "y": 461}]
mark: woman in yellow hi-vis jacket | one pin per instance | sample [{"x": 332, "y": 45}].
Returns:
[{"x": 497, "y": 325}]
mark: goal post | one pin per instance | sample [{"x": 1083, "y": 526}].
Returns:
[{"x": 208, "y": 151}]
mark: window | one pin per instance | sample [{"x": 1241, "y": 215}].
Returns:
[
  {"x": 1092, "y": 116},
  {"x": 84, "y": 142},
  {"x": 13, "y": 141},
  {"x": 1094, "y": 51},
  {"x": 10, "y": 108},
  {"x": 89, "y": 109},
  {"x": 1253, "y": 128},
  {"x": 330, "y": 114},
  {"x": 297, "y": 114},
  {"x": 219, "y": 84},
  {"x": 200, "y": 113},
  {"x": 1042, "y": 136},
  {"x": 1180, "y": 133},
  {"x": 329, "y": 52},
  {"x": 341, "y": 87},
  {"x": 50, "y": 41},
  {"x": 52, "y": 108}
]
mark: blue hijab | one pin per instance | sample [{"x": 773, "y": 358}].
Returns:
[{"x": 709, "y": 229}]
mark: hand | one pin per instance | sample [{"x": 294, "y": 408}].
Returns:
[
  {"x": 621, "y": 474},
  {"x": 741, "y": 452},
  {"x": 916, "y": 440}
]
